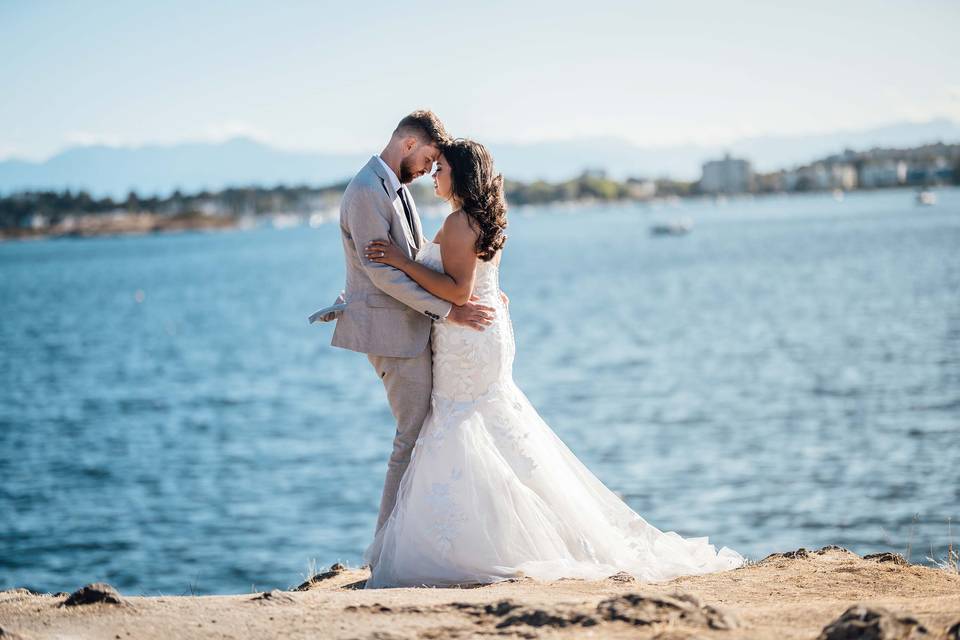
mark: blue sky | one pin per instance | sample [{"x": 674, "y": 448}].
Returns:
[{"x": 337, "y": 76}]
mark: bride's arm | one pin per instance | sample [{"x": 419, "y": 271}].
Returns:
[{"x": 458, "y": 248}]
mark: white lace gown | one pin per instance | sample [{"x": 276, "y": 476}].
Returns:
[{"x": 492, "y": 493}]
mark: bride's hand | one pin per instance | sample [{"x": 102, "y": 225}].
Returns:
[{"x": 385, "y": 252}]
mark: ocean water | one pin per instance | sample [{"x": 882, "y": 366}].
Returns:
[{"x": 786, "y": 375}]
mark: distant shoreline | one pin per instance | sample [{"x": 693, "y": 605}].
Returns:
[
  {"x": 90, "y": 225},
  {"x": 33, "y": 213},
  {"x": 100, "y": 225}
]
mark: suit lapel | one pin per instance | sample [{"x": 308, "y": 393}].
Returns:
[
  {"x": 402, "y": 216},
  {"x": 394, "y": 199}
]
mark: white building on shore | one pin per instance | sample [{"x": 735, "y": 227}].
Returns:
[{"x": 729, "y": 175}]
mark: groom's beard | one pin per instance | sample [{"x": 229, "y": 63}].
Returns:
[{"x": 407, "y": 174}]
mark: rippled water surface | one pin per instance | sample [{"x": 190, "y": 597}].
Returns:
[{"x": 787, "y": 375}]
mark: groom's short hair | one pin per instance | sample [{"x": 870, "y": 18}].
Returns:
[{"x": 425, "y": 126}]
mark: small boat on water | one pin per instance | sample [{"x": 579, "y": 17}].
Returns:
[
  {"x": 926, "y": 198},
  {"x": 679, "y": 227}
]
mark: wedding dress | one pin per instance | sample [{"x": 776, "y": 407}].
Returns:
[{"x": 491, "y": 493}]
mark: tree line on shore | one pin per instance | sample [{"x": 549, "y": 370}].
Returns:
[
  {"x": 22, "y": 208},
  {"x": 36, "y": 209}
]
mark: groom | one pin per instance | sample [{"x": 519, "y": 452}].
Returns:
[{"x": 388, "y": 316}]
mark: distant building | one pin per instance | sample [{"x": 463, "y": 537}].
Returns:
[
  {"x": 843, "y": 176},
  {"x": 38, "y": 221},
  {"x": 769, "y": 182},
  {"x": 927, "y": 165},
  {"x": 883, "y": 173},
  {"x": 640, "y": 189},
  {"x": 812, "y": 177},
  {"x": 821, "y": 176},
  {"x": 729, "y": 175},
  {"x": 211, "y": 207},
  {"x": 929, "y": 171}
]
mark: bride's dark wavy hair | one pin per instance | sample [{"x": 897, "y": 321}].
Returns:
[{"x": 480, "y": 192}]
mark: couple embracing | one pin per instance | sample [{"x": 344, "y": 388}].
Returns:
[{"x": 478, "y": 488}]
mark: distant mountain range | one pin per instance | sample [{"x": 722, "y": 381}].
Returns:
[{"x": 190, "y": 167}]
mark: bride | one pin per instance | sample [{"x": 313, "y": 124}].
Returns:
[{"x": 491, "y": 492}]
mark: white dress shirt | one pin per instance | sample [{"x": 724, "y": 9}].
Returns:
[{"x": 391, "y": 176}]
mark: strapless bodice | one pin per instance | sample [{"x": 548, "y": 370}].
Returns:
[
  {"x": 487, "y": 283},
  {"x": 466, "y": 362}
]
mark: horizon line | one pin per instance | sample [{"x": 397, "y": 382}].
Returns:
[{"x": 264, "y": 141}]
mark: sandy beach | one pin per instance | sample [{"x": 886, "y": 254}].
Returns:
[{"x": 800, "y": 594}]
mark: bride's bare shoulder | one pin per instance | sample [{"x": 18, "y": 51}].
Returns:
[
  {"x": 459, "y": 225},
  {"x": 457, "y": 228}
]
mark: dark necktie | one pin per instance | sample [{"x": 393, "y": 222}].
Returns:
[{"x": 406, "y": 210}]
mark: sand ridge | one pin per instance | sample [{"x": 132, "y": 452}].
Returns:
[{"x": 790, "y": 595}]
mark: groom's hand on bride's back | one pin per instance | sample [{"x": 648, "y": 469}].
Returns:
[{"x": 473, "y": 315}]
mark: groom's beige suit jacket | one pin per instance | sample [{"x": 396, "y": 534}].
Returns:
[{"x": 387, "y": 313}]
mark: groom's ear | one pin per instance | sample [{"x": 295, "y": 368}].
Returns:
[{"x": 410, "y": 143}]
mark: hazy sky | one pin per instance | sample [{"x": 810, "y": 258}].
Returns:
[{"x": 337, "y": 76}]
